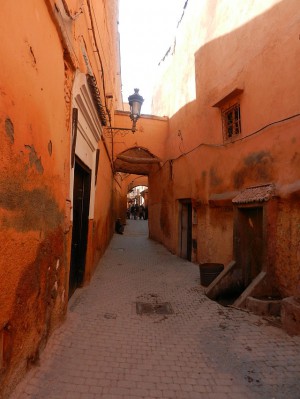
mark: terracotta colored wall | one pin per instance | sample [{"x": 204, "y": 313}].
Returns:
[
  {"x": 152, "y": 134},
  {"x": 34, "y": 171},
  {"x": 41, "y": 50},
  {"x": 251, "y": 46}
]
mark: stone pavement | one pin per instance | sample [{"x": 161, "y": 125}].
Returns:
[{"x": 201, "y": 351}]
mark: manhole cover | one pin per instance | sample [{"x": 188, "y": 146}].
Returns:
[{"x": 153, "y": 308}]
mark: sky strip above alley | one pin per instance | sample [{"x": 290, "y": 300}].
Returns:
[{"x": 147, "y": 30}]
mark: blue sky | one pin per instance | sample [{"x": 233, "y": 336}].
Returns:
[{"x": 147, "y": 29}]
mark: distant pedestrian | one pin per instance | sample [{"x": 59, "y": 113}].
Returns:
[
  {"x": 119, "y": 228},
  {"x": 132, "y": 211},
  {"x": 141, "y": 212},
  {"x": 136, "y": 211},
  {"x": 146, "y": 213}
]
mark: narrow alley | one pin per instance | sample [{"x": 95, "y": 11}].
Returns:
[{"x": 189, "y": 347}]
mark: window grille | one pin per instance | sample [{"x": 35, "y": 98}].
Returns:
[{"x": 231, "y": 122}]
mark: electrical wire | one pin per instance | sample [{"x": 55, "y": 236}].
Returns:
[
  {"x": 102, "y": 79},
  {"x": 101, "y": 44},
  {"x": 226, "y": 144},
  {"x": 99, "y": 57}
]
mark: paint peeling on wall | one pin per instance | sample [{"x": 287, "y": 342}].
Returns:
[
  {"x": 50, "y": 148},
  {"x": 215, "y": 179},
  {"x": 258, "y": 168},
  {"x": 9, "y": 128},
  {"x": 34, "y": 209},
  {"x": 34, "y": 160},
  {"x": 37, "y": 294}
]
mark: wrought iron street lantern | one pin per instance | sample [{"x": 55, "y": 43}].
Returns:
[{"x": 135, "y": 102}]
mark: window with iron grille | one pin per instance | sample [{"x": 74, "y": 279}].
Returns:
[{"x": 231, "y": 122}]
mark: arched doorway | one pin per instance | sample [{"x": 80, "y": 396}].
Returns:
[{"x": 85, "y": 135}]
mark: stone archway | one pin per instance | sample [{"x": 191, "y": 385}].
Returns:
[
  {"x": 136, "y": 160},
  {"x": 137, "y": 180}
]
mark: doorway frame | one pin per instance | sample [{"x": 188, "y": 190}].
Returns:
[
  {"x": 185, "y": 204},
  {"x": 79, "y": 273},
  {"x": 86, "y": 149},
  {"x": 238, "y": 220},
  {"x": 264, "y": 196}
]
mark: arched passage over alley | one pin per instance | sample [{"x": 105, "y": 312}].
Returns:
[
  {"x": 135, "y": 164},
  {"x": 136, "y": 160},
  {"x": 137, "y": 155}
]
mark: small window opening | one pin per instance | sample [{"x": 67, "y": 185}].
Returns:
[{"x": 231, "y": 122}]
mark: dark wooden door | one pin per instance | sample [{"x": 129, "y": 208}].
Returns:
[
  {"x": 250, "y": 242},
  {"x": 81, "y": 201},
  {"x": 186, "y": 231}
]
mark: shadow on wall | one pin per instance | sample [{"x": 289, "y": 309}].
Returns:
[{"x": 204, "y": 165}]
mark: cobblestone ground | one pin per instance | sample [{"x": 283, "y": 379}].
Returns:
[{"x": 202, "y": 351}]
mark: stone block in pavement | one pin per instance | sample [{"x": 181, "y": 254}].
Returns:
[
  {"x": 290, "y": 315},
  {"x": 264, "y": 307}
]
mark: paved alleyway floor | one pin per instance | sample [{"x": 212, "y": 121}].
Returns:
[{"x": 200, "y": 351}]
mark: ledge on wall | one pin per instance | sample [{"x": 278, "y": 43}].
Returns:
[
  {"x": 222, "y": 199},
  {"x": 234, "y": 93}
]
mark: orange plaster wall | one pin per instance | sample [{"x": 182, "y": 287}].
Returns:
[
  {"x": 260, "y": 56},
  {"x": 152, "y": 134},
  {"x": 33, "y": 190},
  {"x": 35, "y": 93}
]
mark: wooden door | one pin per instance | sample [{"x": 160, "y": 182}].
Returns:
[
  {"x": 81, "y": 202},
  {"x": 249, "y": 243},
  {"x": 186, "y": 231}
]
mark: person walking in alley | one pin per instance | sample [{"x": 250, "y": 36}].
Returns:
[
  {"x": 141, "y": 212},
  {"x": 136, "y": 211},
  {"x": 119, "y": 228},
  {"x": 132, "y": 210}
]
